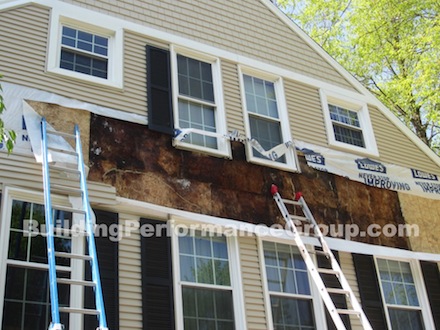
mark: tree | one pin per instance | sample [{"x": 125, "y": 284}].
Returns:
[
  {"x": 390, "y": 46},
  {"x": 6, "y": 136}
]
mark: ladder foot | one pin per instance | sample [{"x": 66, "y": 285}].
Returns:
[{"x": 56, "y": 326}]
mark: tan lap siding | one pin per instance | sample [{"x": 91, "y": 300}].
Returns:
[
  {"x": 246, "y": 27},
  {"x": 305, "y": 113},
  {"x": 130, "y": 281},
  {"x": 396, "y": 148},
  {"x": 232, "y": 97},
  {"x": 252, "y": 284},
  {"x": 346, "y": 262}
]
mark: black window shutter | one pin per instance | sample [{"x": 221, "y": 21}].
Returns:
[
  {"x": 159, "y": 92},
  {"x": 369, "y": 290},
  {"x": 431, "y": 277},
  {"x": 157, "y": 280},
  {"x": 107, "y": 251}
]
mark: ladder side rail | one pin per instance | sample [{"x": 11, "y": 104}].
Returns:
[
  {"x": 335, "y": 266},
  {"x": 310, "y": 265},
  {"x": 99, "y": 300},
  {"x": 55, "y": 313}
]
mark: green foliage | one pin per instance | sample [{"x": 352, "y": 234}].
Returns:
[
  {"x": 391, "y": 46},
  {"x": 7, "y": 137}
]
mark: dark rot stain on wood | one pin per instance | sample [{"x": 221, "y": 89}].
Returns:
[{"x": 143, "y": 165}]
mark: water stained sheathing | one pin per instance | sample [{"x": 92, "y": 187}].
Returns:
[{"x": 143, "y": 165}]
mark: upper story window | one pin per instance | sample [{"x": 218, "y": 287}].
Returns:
[
  {"x": 348, "y": 124},
  {"x": 289, "y": 288},
  {"x": 84, "y": 52},
  {"x": 81, "y": 50},
  {"x": 206, "y": 298},
  {"x": 266, "y": 119},
  {"x": 198, "y": 102}
]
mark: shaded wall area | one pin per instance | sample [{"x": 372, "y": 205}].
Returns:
[{"x": 143, "y": 165}]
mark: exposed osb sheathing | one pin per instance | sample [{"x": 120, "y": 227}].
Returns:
[
  {"x": 64, "y": 119},
  {"x": 424, "y": 213},
  {"x": 143, "y": 165}
]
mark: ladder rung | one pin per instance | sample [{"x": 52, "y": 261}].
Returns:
[
  {"x": 338, "y": 291},
  {"x": 68, "y": 232},
  {"x": 75, "y": 282},
  {"x": 328, "y": 271},
  {"x": 79, "y": 310},
  {"x": 63, "y": 134},
  {"x": 65, "y": 189},
  {"x": 291, "y": 202},
  {"x": 298, "y": 217},
  {"x": 67, "y": 209},
  {"x": 72, "y": 255},
  {"x": 348, "y": 311},
  {"x": 64, "y": 151},
  {"x": 64, "y": 169}
]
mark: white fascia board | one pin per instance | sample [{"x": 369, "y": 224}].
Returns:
[
  {"x": 165, "y": 213},
  {"x": 363, "y": 95},
  {"x": 369, "y": 97}
]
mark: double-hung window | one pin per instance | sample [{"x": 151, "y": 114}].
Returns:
[
  {"x": 205, "y": 282},
  {"x": 266, "y": 120},
  {"x": 289, "y": 289},
  {"x": 25, "y": 292},
  {"x": 400, "y": 294},
  {"x": 198, "y": 103},
  {"x": 82, "y": 50},
  {"x": 348, "y": 124}
]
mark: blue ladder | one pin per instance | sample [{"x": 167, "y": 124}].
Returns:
[{"x": 85, "y": 210}]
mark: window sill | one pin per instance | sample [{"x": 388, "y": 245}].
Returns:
[
  {"x": 67, "y": 74},
  {"x": 371, "y": 152},
  {"x": 220, "y": 153}
]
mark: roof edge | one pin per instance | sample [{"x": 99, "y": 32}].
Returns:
[{"x": 373, "y": 100}]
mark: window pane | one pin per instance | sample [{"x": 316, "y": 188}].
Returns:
[
  {"x": 209, "y": 309},
  {"x": 79, "y": 55},
  {"x": 290, "y": 313},
  {"x": 193, "y": 115},
  {"x": 260, "y": 96},
  {"x": 207, "y": 262},
  {"x": 267, "y": 133},
  {"x": 348, "y": 135},
  {"x": 405, "y": 319},
  {"x": 284, "y": 275},
  {"x": 195, "y": 78}
]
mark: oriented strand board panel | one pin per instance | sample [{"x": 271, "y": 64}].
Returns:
[
  {"x": 252, "y": 284},
  {"x": 245, "y": 27}
]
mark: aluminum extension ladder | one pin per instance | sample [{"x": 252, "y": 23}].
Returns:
[
  {"x": 327, "y": 294},
  {"x": 84, "y": 210}
]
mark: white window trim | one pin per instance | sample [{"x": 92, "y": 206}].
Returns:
[
  {"x": 223, "y": 145},
  {"x": 105, "y": 28},
  {"x": 317, "y": 304},
  {"x": 77, "y": 270},
  {"x": 291, "y": 157},
  {"x": 234, "y": 264},
  {"x": 361, "y": 109},
  {"x": 422, "y": 296}
]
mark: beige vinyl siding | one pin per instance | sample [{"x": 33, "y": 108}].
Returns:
[
  {"x": 22, "y": 171},
  {"x": 24, "y": 60},
  {"x": 130, "y": 280},
  {"x": 252, "y": 284},
  {"x": 246, "y": 27},
  {"x": 232, "y": 97},
  {"x": 396, "y": 148},
  {"x": 305, "y": 113},
  {"x": 347, "y": 266}
]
